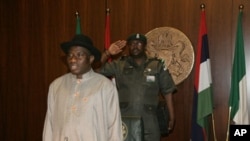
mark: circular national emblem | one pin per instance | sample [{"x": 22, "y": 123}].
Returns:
[
  {"x": 174, "y": 48},
  {"x": 124, "y": 131}
]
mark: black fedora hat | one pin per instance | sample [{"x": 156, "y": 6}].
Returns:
[{"x": 82, "y": 41}]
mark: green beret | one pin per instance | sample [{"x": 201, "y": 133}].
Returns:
[{"x": 137, "y": 36}]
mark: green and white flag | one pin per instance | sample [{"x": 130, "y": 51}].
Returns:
[
  {"x": 78, "y": 24},
  {"x": 238, "y": 93}
]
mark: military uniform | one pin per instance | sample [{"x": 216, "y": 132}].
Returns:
[{"x": 139, "y": 87}]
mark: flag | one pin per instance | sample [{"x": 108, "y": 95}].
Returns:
[
  {"x": 238, "y": 93},
  {"x": 202, "y": 102},
  {"x": 78, "y": 24},
  {"x": 107, "y": 31}
]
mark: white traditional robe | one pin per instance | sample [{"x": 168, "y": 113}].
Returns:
[{"x": 84, "y": 109}]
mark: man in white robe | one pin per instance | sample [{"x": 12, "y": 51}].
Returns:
[{"x": 82, "y": 105}]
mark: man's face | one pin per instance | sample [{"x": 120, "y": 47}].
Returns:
[
  {"x": 79, "y": 60},
  {"x": 136, "y": 48}
]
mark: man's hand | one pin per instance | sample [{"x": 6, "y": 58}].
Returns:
[
  {"x": 116, "y": 47},
  {"x": 171, "y": 125}
]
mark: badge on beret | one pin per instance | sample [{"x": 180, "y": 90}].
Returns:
[{"x": 137, "y": 36}]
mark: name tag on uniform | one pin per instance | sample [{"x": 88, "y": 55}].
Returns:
[{"x": 150, "y": 78}]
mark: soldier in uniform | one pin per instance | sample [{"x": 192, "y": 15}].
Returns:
[{"x": 139, "y": 81}]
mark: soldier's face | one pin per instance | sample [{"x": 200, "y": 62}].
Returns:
[{"x": 136, "y": 48}]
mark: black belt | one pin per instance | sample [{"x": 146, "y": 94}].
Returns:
[{"x": 145, "y": 107}]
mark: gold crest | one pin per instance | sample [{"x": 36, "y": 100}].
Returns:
[{"x": 175, "y": 48}]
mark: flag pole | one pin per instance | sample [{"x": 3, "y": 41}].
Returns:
[
  {"x": 215, "y": 139},
  {"x": 228, "y": 123}
]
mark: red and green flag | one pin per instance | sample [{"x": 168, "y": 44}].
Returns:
[
  {"x": 107, "y": 31},
  {"x": 202, "y": 98}
]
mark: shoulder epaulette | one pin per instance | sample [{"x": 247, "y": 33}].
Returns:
[
  {"x": 160, "y": 61},
  {"x": 156, "y": 59}
]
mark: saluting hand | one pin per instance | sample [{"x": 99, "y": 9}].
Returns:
[{"x": 116, "y": 47}]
